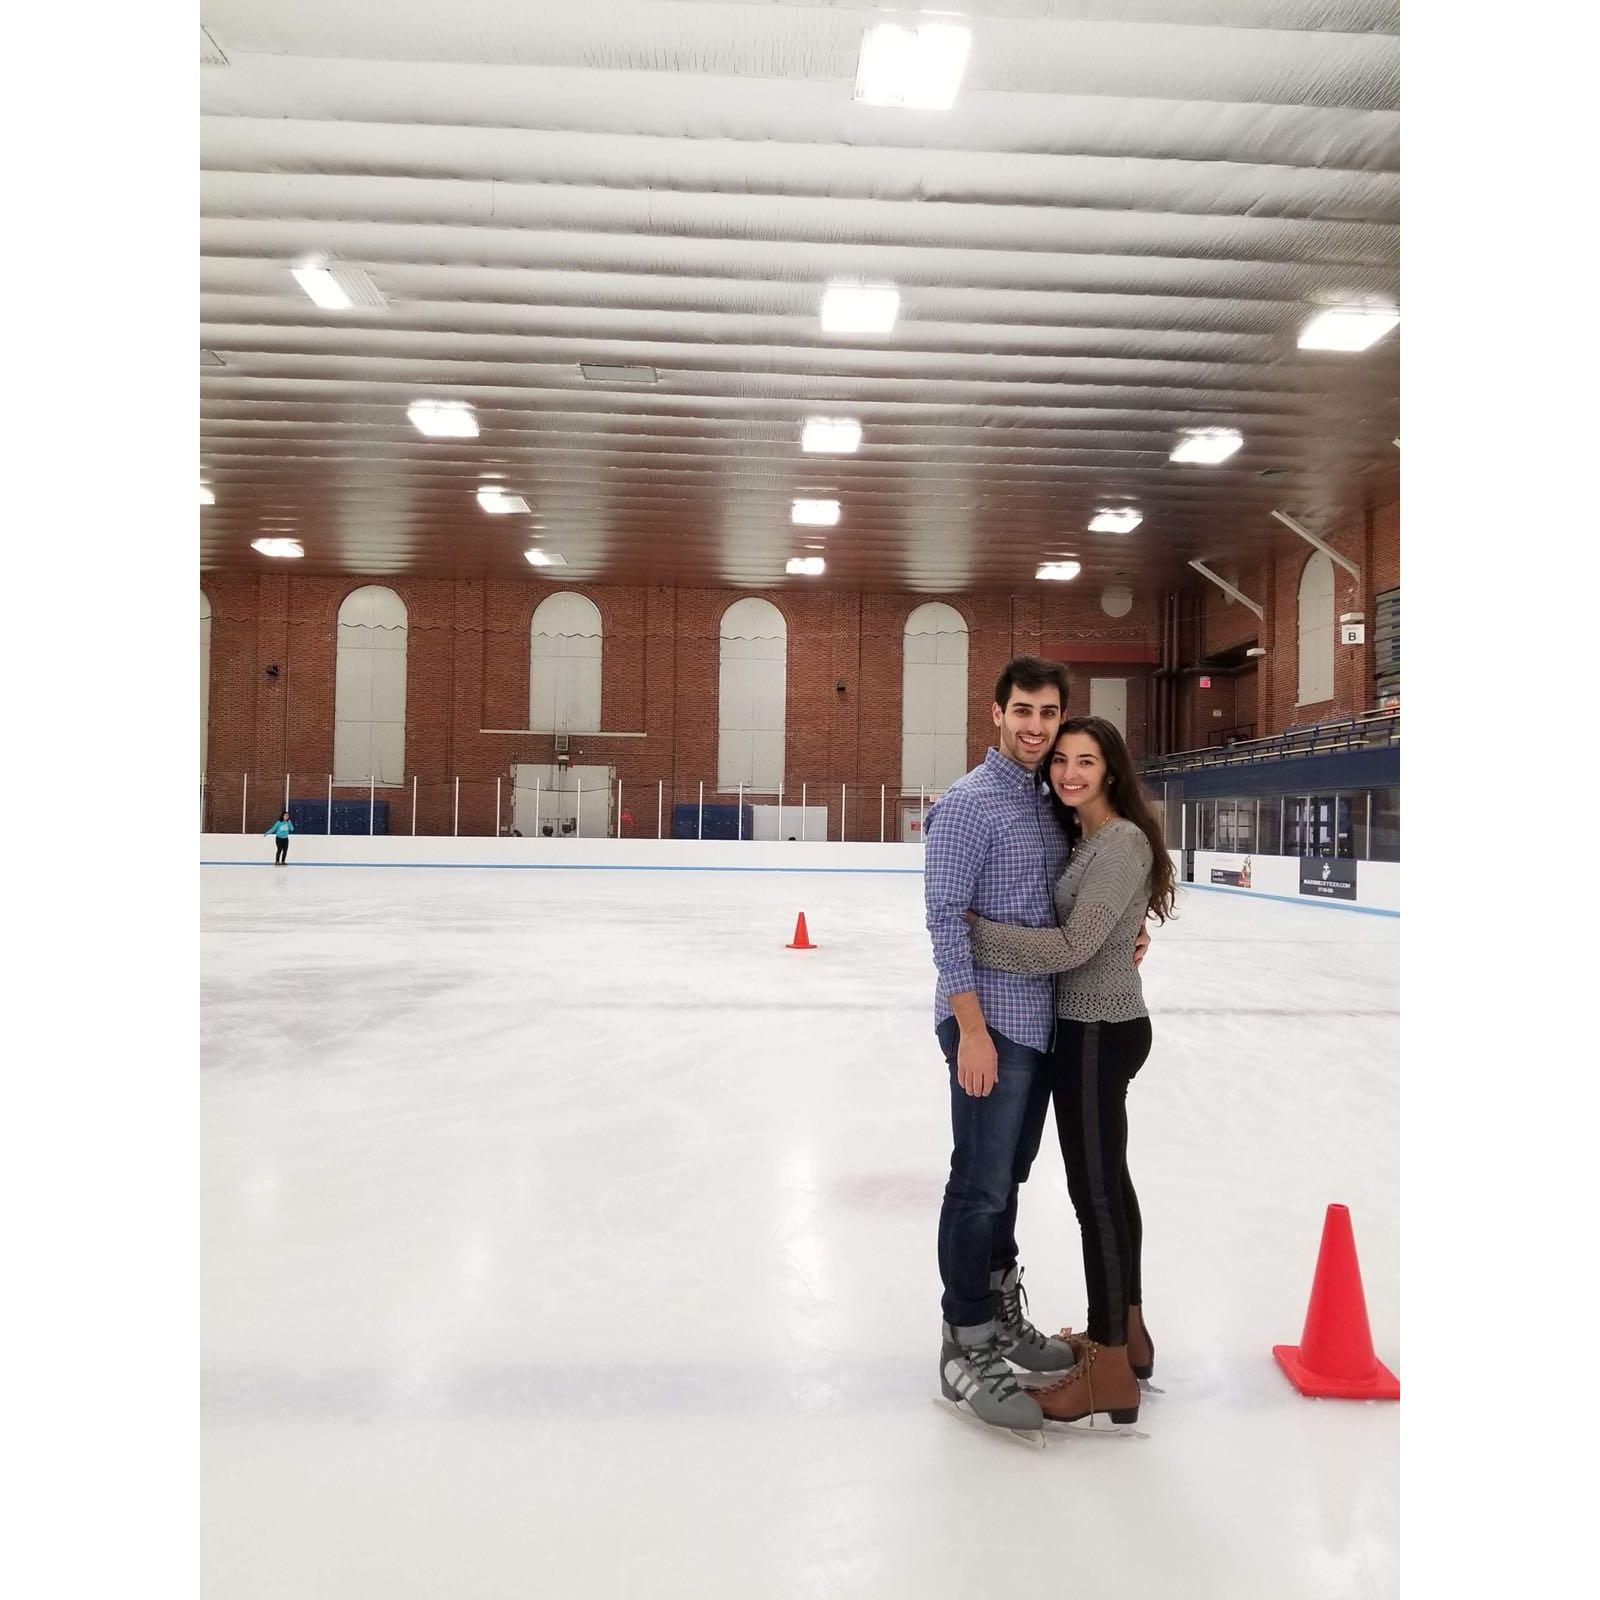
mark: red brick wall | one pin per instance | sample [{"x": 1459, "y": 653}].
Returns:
[
  {"x": 467, "y": 672},
  {"x": 1268, "y": 697}
]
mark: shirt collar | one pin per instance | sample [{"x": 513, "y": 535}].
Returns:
[{"x": 1009, "y": 772}]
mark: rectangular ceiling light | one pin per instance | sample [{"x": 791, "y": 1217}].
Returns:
[
  {"x": 815, "y": 513},
  {"x": 597, "y": 373},
  {"x": 544, "y": 558},
  {"x": 206, "y": 496},
  {"x": 443, "y": 419},
  {"x": 339, "y": 288},
  {"x": 498, "y": 502},
  {"x": 918, "y": 68},
  {"x": 1059, "y": 571},
  {"x": 1207, "y": 445},
  {"x": 1350, "y": 328},
  {"x": 831, "y": 436},
  {"x": 804, "y": 566},
  {"x": 860, "y": 307},
  {"x": 323, "y": 288},
  {"x": 284, "y": 548},
  {"x": 1115, "y": 519}
]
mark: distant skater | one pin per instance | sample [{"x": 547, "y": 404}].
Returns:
[{"x": 282, "y": 828}]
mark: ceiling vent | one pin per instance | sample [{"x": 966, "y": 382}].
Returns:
[
  {"x": 358, "y": 285},
  {"x": 210, "y": 51}
]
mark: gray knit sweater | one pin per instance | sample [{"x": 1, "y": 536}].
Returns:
[{"x": 1101, "y": 901}]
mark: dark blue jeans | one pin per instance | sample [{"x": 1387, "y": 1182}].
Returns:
[{"x": 995, "y": 1138}]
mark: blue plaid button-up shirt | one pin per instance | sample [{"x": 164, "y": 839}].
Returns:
[{"x": 992, "y": 845}]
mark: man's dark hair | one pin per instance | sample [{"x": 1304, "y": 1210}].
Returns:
[{"x": 1030, "y": 672}]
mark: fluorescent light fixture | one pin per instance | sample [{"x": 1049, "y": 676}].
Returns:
[
  {"x": 544, "y": 558},
  {"x": 1348, "y": 328},
  {"x": 815, "y": 513},
  {"x": 804, "y": 566},
  {"x": 1115, "y": 519},
  {"x": 277, "y": 547},
  {"x": 323, "y": 288},
  {"x": 831, "y": 436},
  {"x": 1060, "y": 571},
  {"x": 443, "y": 419},
  {"x": 206, "y": 496},
  {"x": 498, "y": 502},
  {"x": 1207, "y": 445},
  {"x": 919, "y": 68},
  {"x": 860, "y": 307},
  {"x": 597, "y": 372}
]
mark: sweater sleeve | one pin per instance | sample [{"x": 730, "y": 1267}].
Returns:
[{"x": 1119, "y": 871}]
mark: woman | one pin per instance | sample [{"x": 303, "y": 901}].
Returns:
[
  {"x": 283, "y": 827},
  {"x": 1119, "y": 873}
]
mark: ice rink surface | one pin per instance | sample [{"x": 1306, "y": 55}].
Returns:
[{"x": 566, "y": 1235}]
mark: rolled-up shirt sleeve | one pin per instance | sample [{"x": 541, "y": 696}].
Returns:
[{"x": 953, "y": 846}]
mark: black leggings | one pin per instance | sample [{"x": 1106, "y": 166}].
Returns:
[
  {"x": 283, "y": 848},
  {"x": 1090, "y": 1070}
]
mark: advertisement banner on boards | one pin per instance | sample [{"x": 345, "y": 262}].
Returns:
[
  {"x": 1328, "y": 880},
  {"x": 1235, "y": 877}
]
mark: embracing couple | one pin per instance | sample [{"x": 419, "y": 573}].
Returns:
[{"x": 1042, "y": 865}]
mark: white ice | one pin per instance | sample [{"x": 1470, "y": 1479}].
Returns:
[{"x": 565, "y": 1234}]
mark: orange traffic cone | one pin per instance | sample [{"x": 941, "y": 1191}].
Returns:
[
  {"x": 1335, "y": 1359},
  {"x": 802, "y": 940}
]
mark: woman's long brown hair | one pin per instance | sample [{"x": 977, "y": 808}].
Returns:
[{"x": 1127, "y": 798}]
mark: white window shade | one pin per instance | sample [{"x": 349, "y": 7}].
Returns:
[
  {"x": 752, "y": 693},
  {"x": 565, "y": 666},
  {"x": 369, "y": 693},
  {"x": 1316, "y": 631},
  {"x": 933, "y": 698}
]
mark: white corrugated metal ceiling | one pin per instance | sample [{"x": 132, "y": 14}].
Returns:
[{"x": 1116, "y": 233}]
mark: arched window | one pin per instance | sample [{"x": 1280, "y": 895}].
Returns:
[
  {"x": 933, "y": 698},
  {"x": 752, "y": 686},
  {"x": 564, "y": 673},
  {"x": 369, "y": 695},
  {"x": 205, "y": 677},
  {"x": 1316, "y": 631}
]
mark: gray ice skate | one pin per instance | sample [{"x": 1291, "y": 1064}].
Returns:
[
  {"x": 1020, "y": 1341},
  {"x": 976, "y": 1383}
]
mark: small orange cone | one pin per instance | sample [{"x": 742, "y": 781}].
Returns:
[
  {"x": 802, "y": 940},
  {"x": 1335, "y": 1359}
]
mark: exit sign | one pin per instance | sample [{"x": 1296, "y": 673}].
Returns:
[{"x": 1205, "y": 683}]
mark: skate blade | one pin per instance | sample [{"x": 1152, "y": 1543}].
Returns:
[
  {"x": 1146, "y": 1387},
  {"x": 1033, "y": 1438},
  {"x": 1102, "y": 1428}
]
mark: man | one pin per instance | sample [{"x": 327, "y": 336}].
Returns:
[{"x": 993, "y": 845}]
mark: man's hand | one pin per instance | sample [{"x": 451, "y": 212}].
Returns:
[
  {"x": 1141, "y": 945},
  {"x": 977, "y": 1067}
]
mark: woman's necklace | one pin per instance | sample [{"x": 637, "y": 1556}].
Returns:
[{"x": 1089, "y": 833}]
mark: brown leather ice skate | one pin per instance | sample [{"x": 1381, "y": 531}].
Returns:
[
  {"x": 1141, "y": 1348},
  {"x": 1101, "y": 1384}
]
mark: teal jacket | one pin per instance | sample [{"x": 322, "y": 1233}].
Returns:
[{"x": 281, "y": 828}]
